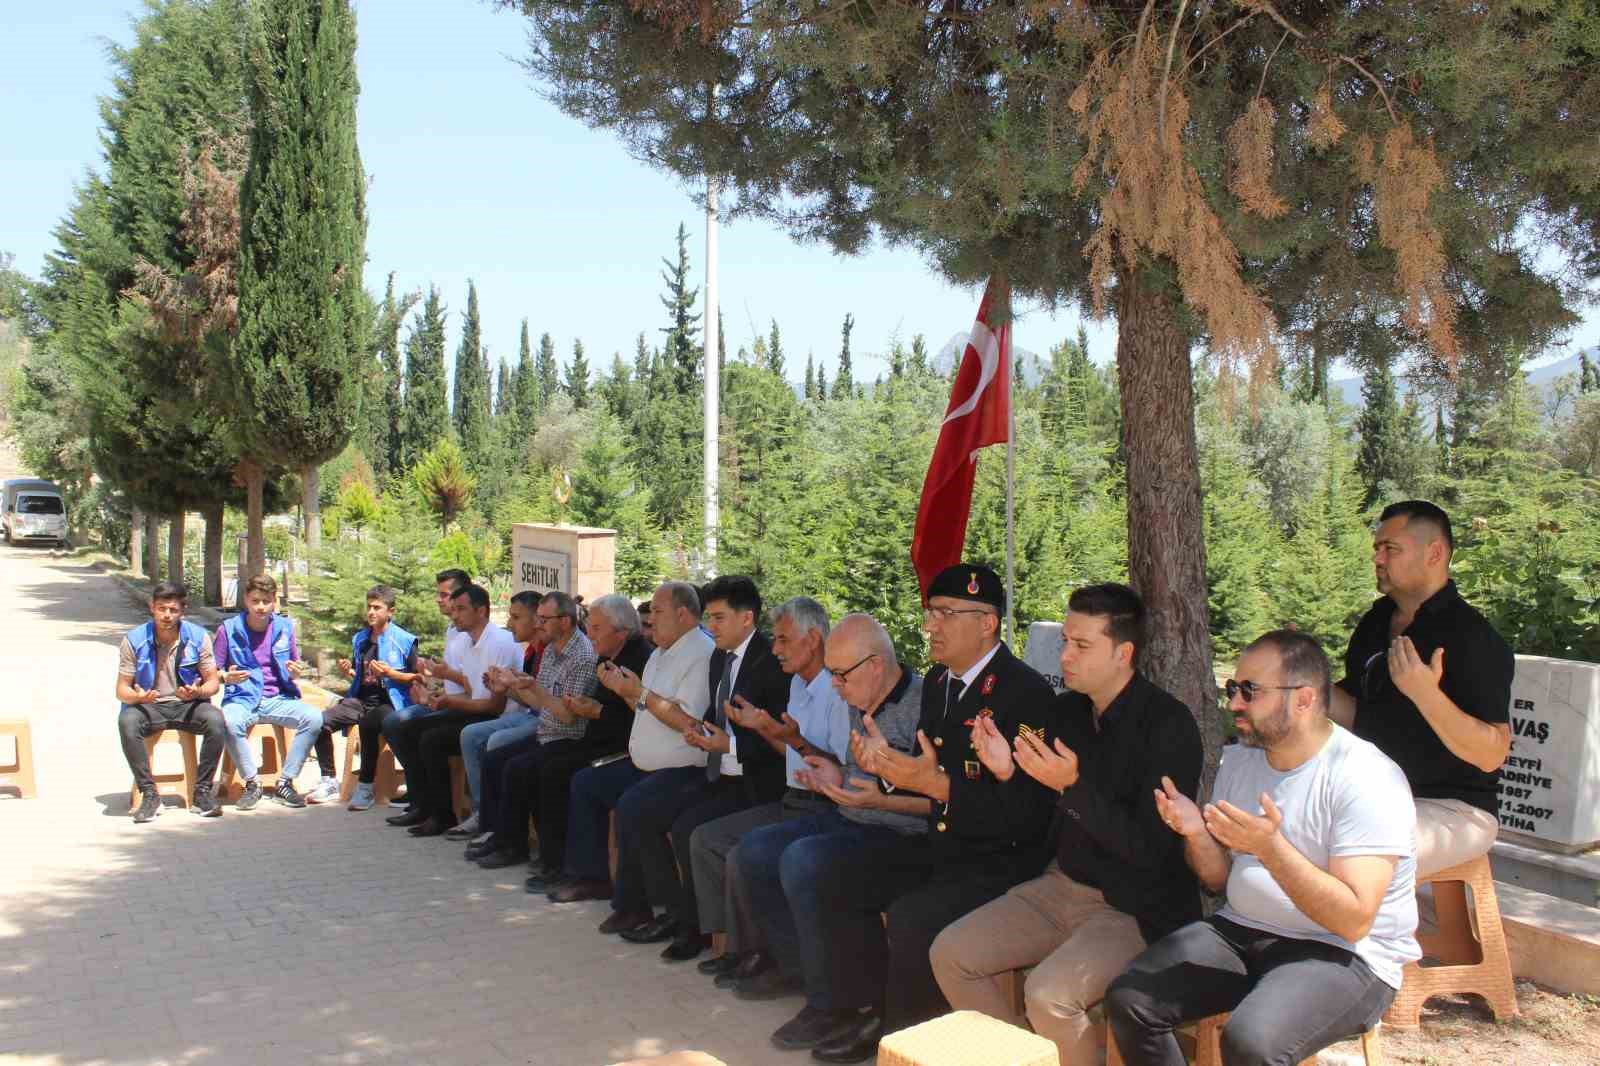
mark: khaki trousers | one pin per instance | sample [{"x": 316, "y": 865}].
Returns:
[
  {"x": 1076, "y": 942},
  {"x": 1450, "y": 832}
]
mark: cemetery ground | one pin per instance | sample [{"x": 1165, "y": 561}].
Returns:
[{"x": 323, "y": 936}]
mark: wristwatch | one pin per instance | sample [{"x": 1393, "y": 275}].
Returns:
[{"x": 639, "y": 704}]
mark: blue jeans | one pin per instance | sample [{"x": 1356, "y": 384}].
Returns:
[
  {"x": 817, "y": 887},
  {"x": 596, "y": 791},
  {"x": 306, "y": 721},
  {"x": 513, "y": 725}
]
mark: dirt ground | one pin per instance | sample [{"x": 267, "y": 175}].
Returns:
[{"x": 1552, "y": 1029}]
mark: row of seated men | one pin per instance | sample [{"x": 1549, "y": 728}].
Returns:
[{"x": 888, "y": 846}]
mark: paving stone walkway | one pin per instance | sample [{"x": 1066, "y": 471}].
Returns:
[{"x": 279, "y": 936}]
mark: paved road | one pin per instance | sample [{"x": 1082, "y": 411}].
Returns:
[{"x": 278, "y": 936}]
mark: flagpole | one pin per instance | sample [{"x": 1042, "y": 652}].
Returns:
[{"x": 1011, "y": 491}]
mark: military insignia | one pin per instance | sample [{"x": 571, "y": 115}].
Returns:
[
  {"x": 973, "y": 768},
  {"x": 972, "y": 584},
  {"x": 938, "y": 742},
  {"x": 985, "y": 713},
  {"x": 1028, "y": 732},
  {"x": 988, "y": 685}
]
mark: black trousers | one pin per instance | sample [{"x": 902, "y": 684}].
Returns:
[
  {"x": 546, "y": 788},
  {"x": 911, "y": 992},
  {"x": 500, "y": 792},
  {"x": 424, "y": 746},
  {"x": 367, "y": 717},
  {"x": 138, "y": 720}
]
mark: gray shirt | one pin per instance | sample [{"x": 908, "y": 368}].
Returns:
[
  {"x": 897, "y": 720},
  {"x": 568, "y": 671},
  {"x": 1348, "y": 799}
]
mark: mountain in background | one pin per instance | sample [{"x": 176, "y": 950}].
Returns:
[
  {"x": 944, "y": 361},
  {"x": 1349, "y": 389}
]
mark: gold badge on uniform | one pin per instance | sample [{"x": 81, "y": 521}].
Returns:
[{"x": 1028, "y": 732}]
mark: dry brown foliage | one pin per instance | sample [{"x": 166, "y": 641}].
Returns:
[
  {"x": 204, "y": 299},
  {"x": 1404, "y": 182},
  {"x": 1325, "y": 129},
  {"x": 1250, "y": 151}
]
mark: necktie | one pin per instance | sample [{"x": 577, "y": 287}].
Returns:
[{"x": 724, "y": 693}]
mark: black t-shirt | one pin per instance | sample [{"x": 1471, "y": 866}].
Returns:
[{"x": 1478, "y": 665}]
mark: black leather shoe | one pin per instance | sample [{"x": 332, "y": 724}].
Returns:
[
  {"x": 727, "y": 962},
  {"x": 540, "y": 884},
  {"x": 657, "y": 931},
  {"x": 577, "y": 891},
  {"x": 408, "y": 819},
  {"x": 858, "y": 1044},
  {"x": 685, "y": 946},
  {"x": 813, "y": 1026},
  {"x": 499, "y": 860},
  {"x": 475, "y": 852},
  {"x": 621, "y": 921},
  {"x": 428, "y": 827},
  {"x": 751, "y": 964},
  {"x": 771, "y": 984}
]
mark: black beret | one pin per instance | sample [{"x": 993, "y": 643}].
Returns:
[{"x": 965, "y": 581}]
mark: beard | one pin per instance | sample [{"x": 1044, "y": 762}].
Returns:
[{"x": 1269, "y": 731}]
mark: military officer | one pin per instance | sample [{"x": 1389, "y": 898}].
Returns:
[{"x": 984, "y": 835}]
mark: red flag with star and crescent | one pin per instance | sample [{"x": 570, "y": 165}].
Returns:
[{"x": 979, "y": 415}]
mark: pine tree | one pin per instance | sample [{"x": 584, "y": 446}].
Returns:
[
  {"x": 844, "y": 383},
  {"x": 822, "y": 382},
  {"x": 775, "y": 357},
  {"x": 1379, "y": 428},
  {"x": 549, "y": 371},
  {"x": 470, "y": 413},
  {"x": 302, "y": 246},
  {"x": 681, "y": 350},
  {"x": 526, "y": 383},
  {"x": 577, "y": 384},
  {"x": 919, "y": 355},
  {"x": 426, "y": 409},
  {"x": 811, "y": 378},
  {"x": 644, "y": 366},
  {"x": 504, "y": 393}
]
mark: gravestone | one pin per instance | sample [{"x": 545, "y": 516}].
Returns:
[
  {"x": 577, "y": 560},
  {"x": 1044, "y": 652},
  {"x": 1550, "y": 783}
]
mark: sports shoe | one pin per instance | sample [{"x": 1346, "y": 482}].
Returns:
[
  {"x": 205, "y": 804},
  {"x": 465, "y": 830},
  {"x": 364, "y": 799},
  {"x": 327, "y": 791},
  {"x": 149, "y": 807},
  {"x": 250, "y": 796},
  {"x": 286, "y": 795}
]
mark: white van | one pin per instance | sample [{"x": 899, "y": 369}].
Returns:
[{"x": 32, "y": 509}]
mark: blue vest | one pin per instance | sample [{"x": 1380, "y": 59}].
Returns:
[
  {"x": 240, "y": 657},
  {"x": 191, "y": 641},
  {"x": 395, "y": 647}
]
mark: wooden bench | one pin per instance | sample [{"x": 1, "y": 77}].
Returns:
[
  {"x": 965, "y": 1038},
  {"x": 20, "y": 769},
  {"x": 170, "y": 784},
  {"x": 274, "y": 741},
  {"x": 1472, "y": 962}
]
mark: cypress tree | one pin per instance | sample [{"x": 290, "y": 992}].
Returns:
[
  {"x": 822, "y": 382},
  {"x": 775, "y": 361},
  {"x": 577, "y": 384},
  {"x": 427, "y": 411},
  {"x": 844, "y": 383},
  {"x": 919, "y": 355},
  {"x": 526, "y": 384},
  {"x": 386, "y": 339},
  {"x": 470, "y": 415},
  {"x": 549, "y": 371},
  {"x": 1379, "y": 428},
  {"x": 302, "y": 245},
  {"x": 1588, "y": 376},
  {"x": 811, "y": 378},
  {"x": 503, "y": 392},
  {"x": 682, "y": 353}
]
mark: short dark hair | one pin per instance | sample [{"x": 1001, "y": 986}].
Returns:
[
  {"x": 262, "y": 583},
  {"x": 736, "y": 590},
  {"x": 382, "y": 593},
  {"x": 1119, "y": 605},
  {"x": 476, "y": 595},
  {"x": 455, "y": 577},
  {"x": 1302, "y": 658},
  {"x": 565, "y": 605},
  {"x": 643, "y": 607},
  {"x": 169, "y": 590},
  {"x": 1425, "y": 513},
  {"x": 527, "y": 598}
]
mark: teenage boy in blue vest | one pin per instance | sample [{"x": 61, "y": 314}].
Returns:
[
  {"x": 260, "y": 662},
  {"x": 165, "y": 680},
  {"x": 381, "y": 668}
]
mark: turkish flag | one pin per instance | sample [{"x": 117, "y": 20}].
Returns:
[{"x": 979, "y": 415}]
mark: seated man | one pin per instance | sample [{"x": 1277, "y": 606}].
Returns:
[
  {"x": 1311, "y": 832},
  {"x": 817, "y": 722},
  {"x": 1428, "y": 680},
  {"x": 1119, "y": 880},
  {"x": 671, "y": 696},
  {"x": 566, "y": 670},
  {"x": 528, "y": 621},
  {"x": 381, "y": 668},
  {"x": 166, "y": 676},
  {"x": 260, "y": 660},
  {"x": 656, "y": 818},
  {"x": 424, "y": 743},
  {"x": 823, "y": 934}
]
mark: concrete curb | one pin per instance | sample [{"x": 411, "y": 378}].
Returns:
[{"x": 138, "y": 591}]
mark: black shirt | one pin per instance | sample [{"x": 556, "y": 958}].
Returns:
[
  {"x": 610, "y": 731},
  {"x": 1108, "y": 833},
  {"x": 1478, "y": 665}
]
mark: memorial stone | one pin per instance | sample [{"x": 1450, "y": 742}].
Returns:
[{"x": 1550, "y": 783}]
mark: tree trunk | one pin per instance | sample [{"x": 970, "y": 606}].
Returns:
[
  {"x": 1166, "y": 540},
  {"x": 255, "y": 487},
  {"x": 311, "y": 507},
  {"x": 152, "y": 547},
  {"x": 213, "y": 555},
  {"x": 136, "y": 542},
  {"x": 175, "y": 547}
]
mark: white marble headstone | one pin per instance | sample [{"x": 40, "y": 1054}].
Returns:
[{"x": 1550, "y": 783}]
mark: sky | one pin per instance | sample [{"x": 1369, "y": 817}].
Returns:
[{"x": 473, "y": 175}]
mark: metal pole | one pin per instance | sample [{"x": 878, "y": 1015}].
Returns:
[
  {"x": 1011, "y": 479},
  {"x": 713, "y": 376}
]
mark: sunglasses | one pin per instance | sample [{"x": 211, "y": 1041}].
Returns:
[{"x": 1250, "y": 690}]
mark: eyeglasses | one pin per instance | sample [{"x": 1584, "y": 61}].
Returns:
[
  {"x": 1250, "y": 690},
  {"x": 546, "y": 617},
  {"x": 944, "y": 614},
  {"x": 840, "y": 675}
]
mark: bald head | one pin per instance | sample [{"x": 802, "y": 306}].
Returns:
[{"x": 860, "y": 635}]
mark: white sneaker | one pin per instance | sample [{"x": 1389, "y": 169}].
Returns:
[
  {"x": 465, "y": 830},
  {"x": 364, "y": 799},
  {"x": 327, "y": 791}
]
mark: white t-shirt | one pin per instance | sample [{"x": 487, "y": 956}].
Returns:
[
  {"x": 494, "y": 647},
  {"x": 679, "y": 673},
  {"x": 454, "y": 641},
  {"x": 1348, "y": 799}
]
